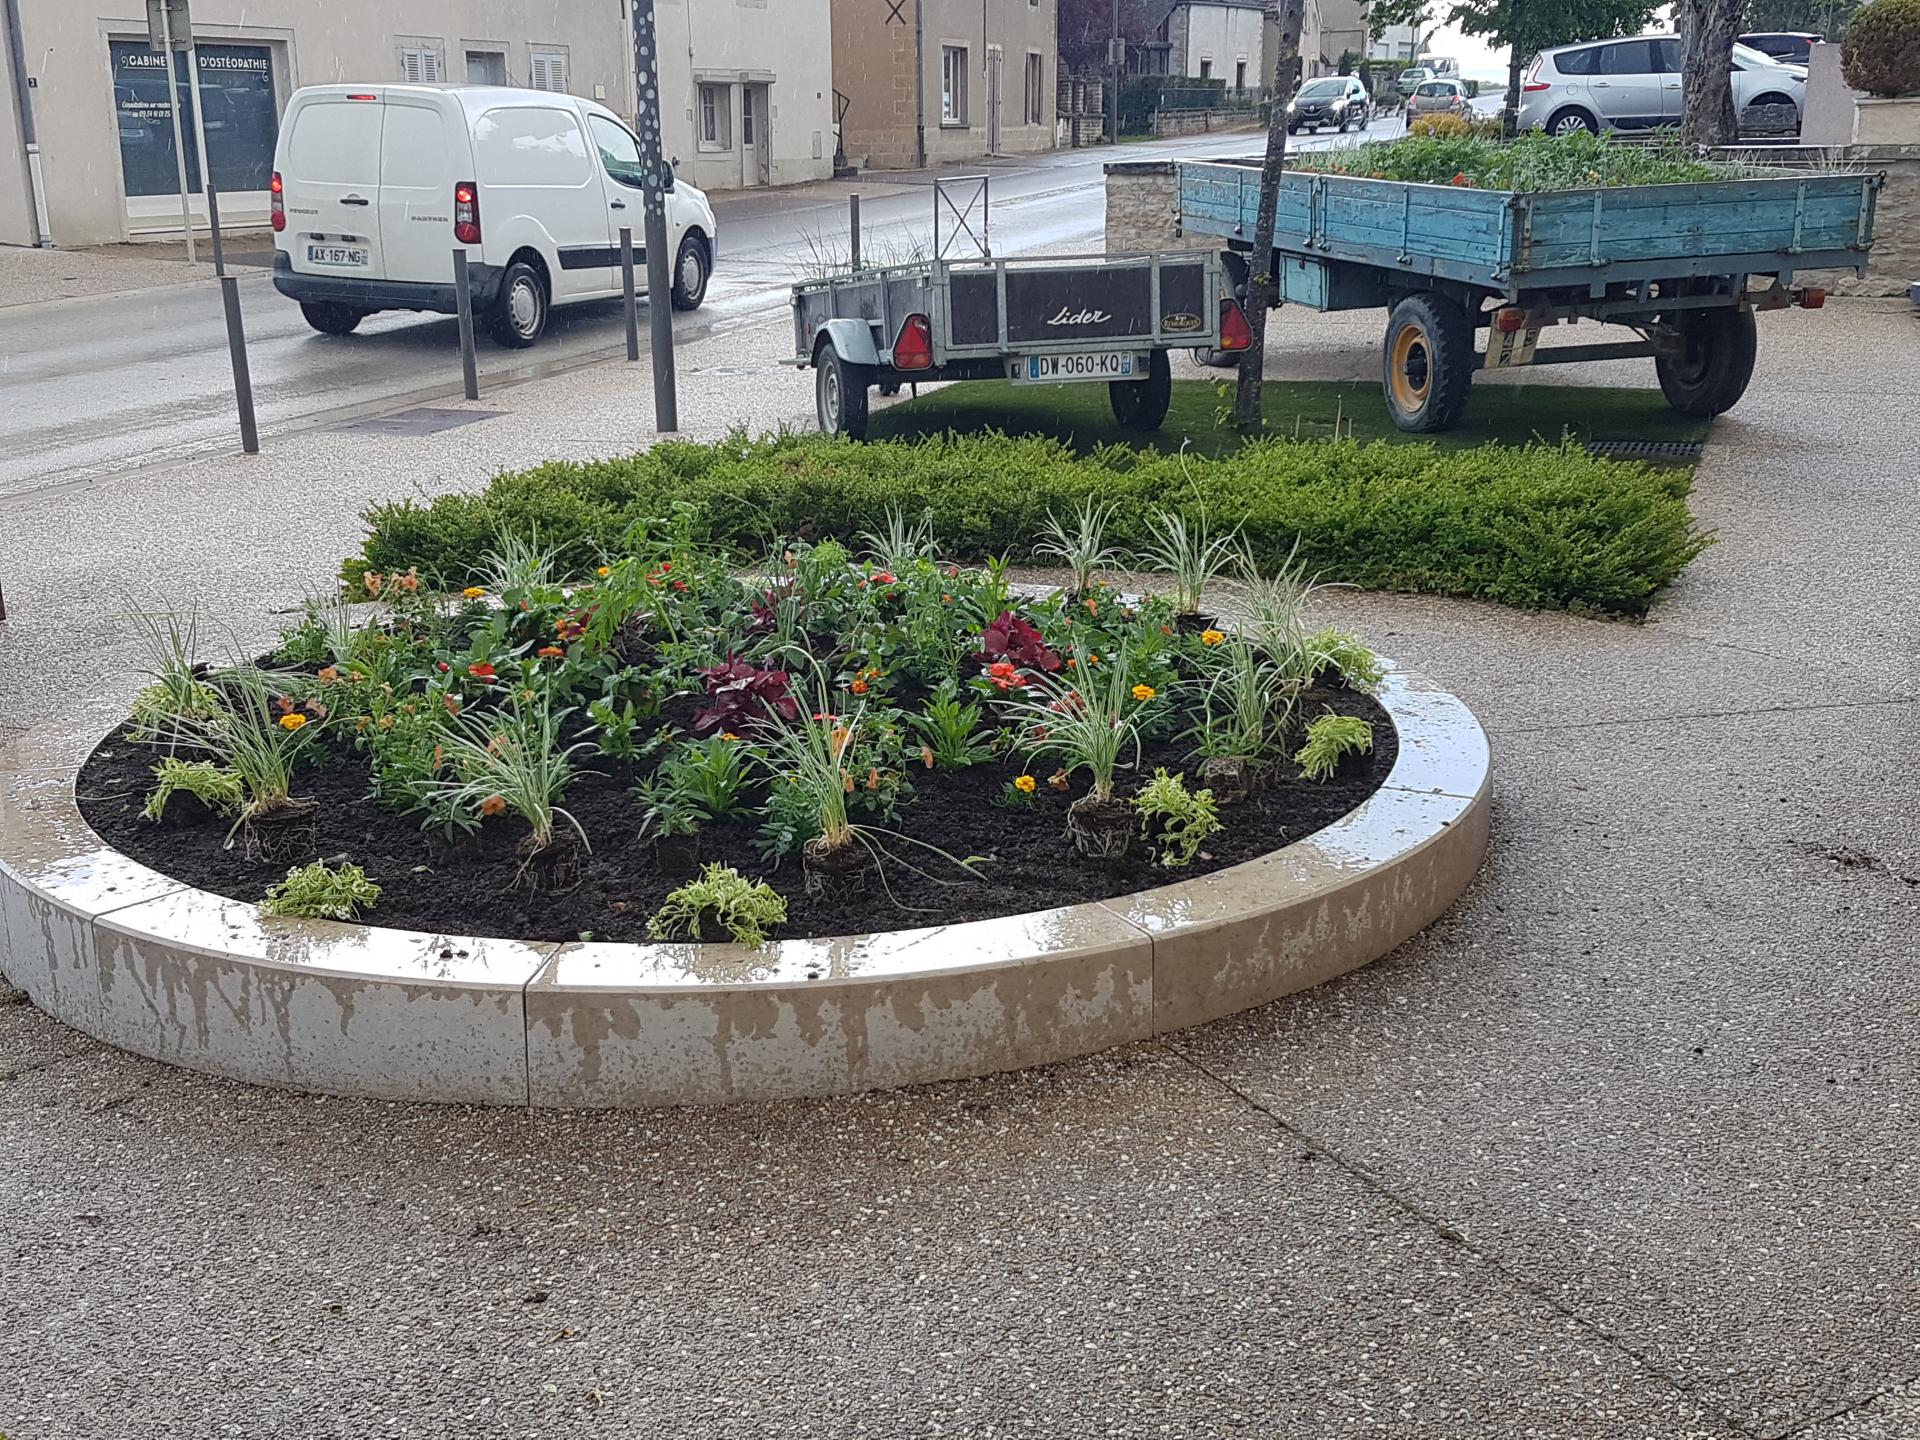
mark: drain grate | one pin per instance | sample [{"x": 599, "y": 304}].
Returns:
[
  {"x": 422, "y": 420},
  {"x": 1647, "y": 449}
]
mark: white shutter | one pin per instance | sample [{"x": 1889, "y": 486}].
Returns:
[
  {"x": 549, "y": 70},
  {"x": 422, "y": 65}
]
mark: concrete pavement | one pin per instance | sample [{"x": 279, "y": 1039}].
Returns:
[{"x": 1623, "y": 1147}]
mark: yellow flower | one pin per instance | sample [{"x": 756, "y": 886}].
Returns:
[
  {"x": 294, "y": 721},
  {"x": 474, "y": 592},
  {"x": 1212, "y": 637},
  {"x": 728, "y": 735},
  {"x": 1144, "y": 692},
  {"x": 1026, "y": 784},
  {"x": 604, "y": 571}
]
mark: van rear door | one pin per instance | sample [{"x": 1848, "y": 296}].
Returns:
[
  {"x": 421, "y": 147},
  {"x": 330, "y": 174}
]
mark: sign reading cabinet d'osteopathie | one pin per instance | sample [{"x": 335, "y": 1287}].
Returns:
[{"x": 237, "y": 88}]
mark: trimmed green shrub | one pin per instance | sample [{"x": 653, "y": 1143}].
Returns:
[
  {"x": 1881, "y": 54},
  {"x": 1537, "y": 526}
]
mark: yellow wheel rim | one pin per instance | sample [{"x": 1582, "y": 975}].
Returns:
[{"x": 1412, "y": 369}]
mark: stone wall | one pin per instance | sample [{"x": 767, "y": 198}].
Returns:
[{"x": 1143, "y": 209}]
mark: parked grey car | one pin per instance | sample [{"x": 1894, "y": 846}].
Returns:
[
  {"x": 1340, "y": 101},
  {"x": 1438, "y": 97},
  {"x": 1634, "y": 84}
]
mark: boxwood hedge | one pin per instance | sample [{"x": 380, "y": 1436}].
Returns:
[{"x": 1538, "y": 526}]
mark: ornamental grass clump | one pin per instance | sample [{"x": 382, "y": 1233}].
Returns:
[
  {"x": 1089, "y": 719},
  {"x": 1187, "y": 552},
  {"x": 170, "y": 643},
  {"x": 1079, "y": 544},
  {"x": 721, "y": 899},
  {"x": 1245, "y": 703},
  {"x": 319, "y": 892},
  {"x": 256, "y": 734}
]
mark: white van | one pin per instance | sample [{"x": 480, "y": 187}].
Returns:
[{"x": 374, "y": 186}]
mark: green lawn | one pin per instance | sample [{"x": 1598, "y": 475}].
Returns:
[{"x": 1307, "y": 409}]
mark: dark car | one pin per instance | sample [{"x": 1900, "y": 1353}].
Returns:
[
  {"x": 1789, "y": 47},
  {"x": 1336, "y": 100}
]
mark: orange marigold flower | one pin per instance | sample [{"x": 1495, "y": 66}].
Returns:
[
  {"x": 1026, "y": 784},
  {"x": 295, "y": 721},
  {"x": 1093, "y": 606},
  {"x": 551, "y": 652},
  {"x": 846, "y": 781},
  {"x": 1212, "y": 637},
  {"x": 493, "y": 805},
  {"x": 873, "y": 778},
  {"x": 1144, "y": 693},
  {"x": 474, "y": 592},
  {"x": 728, "y": 735},
  {"x": 373, "y": 582},
  {"x": 859, "y": 687},
  {"x": 328, "y": 676},
  {"x": 604, "y": 571}
]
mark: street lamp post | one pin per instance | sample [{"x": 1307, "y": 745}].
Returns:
[{"x": 655, "y": 177}]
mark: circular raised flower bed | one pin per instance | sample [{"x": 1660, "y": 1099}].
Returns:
[{"x": 690, "y": 841}]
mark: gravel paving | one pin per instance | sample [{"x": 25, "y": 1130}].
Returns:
[{"x": 1624, "y": 1146}]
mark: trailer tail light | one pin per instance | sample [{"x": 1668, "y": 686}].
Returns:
[
  {"x": 913, "y": 347},
  {"x": 278, "y": 189},
  {"x": 466, "y": 213},
  {"x": 1509, "y": 319},
  {"x": 1235, "y": 332},
  {"x": 1813, "y": 298}
]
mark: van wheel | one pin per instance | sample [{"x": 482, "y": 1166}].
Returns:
[
  {"x": 1710, "y": 373},
  {"x": 690, "y": 274},
  {"x": 840, "y": 394},
  {"x": 519, "y": 313},
  {"x": 1140, "y": 406},
  {"x": 1567, "y": 122},
  {"x": 330, "y": 317}
]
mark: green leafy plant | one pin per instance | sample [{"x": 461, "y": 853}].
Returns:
[
  {"x": 1244, "y": 704},
  {"x": 953, "y": 729},
  {"x": 1532, "y": 161},
  {"x": 1881, "y": 54},
  {"x": 1180, "y": 819},
  {"x": 1339, "y": 650},
  {"x": 705, "y": 780},
  {"x": 219, "y": 790},
  {"x": 518, "y": 565},
  {"x": 318, "y": 892},
  {"x": 747, "y": 910},
  {"x": 512, "y": 763},
  {"x": 1086, "y": 716},
  {"x": 1190, "y": 554},
  {"x": 1019, "y": 793},
  {"x": 1330, "y": 739},
  {"x": 1080, "y": 543}
]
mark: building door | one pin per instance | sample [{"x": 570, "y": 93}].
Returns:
[
  {"x": 756, "y": 147},
  {"x": 996, "y": 89}
]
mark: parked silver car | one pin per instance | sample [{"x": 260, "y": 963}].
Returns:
[
  {"x": 1438, "y": 97},
  {"x": 1634, "y": 84}
]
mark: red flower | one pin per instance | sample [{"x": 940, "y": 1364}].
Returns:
[
  {"x": 883, "y": 577},
  {"x": 1003, "y": 670},
  {"x": 679, "y": 584},
  {"x": 482, "y": 671},
  {"x": 443, "y": 667},
  {"x": 666, "y": 567}
]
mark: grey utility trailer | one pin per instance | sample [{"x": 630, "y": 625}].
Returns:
[{"x": 1042, "y": 320}]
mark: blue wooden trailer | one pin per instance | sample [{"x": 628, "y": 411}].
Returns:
[{"x": 1683, "y": 266}]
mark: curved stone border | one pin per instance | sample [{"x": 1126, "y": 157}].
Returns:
[{"x": 142, "y": 962}]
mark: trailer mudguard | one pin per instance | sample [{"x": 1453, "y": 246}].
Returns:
[{"x": 852, "y": 341}]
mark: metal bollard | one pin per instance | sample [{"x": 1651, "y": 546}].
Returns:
[
  {"x": 633, "y": 304},
  {"x": 463, "y": 298},
  {"x": 213, "y": 226},
  {"x": 853, "y": 219},
  {"x": 242, "y": 375}
]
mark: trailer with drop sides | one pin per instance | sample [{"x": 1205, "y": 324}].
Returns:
[{"x": 1683, "y": 266}]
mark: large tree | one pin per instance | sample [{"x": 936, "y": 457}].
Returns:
[
  {"x": 1708, "y": 29},
  {"x": 1260, "y": 278}
]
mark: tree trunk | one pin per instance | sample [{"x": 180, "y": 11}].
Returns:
[
  {"x": 1709, "y": 28},
  {"x": 1260, "y": 280},
  {"x": 1510, "y": 117}
]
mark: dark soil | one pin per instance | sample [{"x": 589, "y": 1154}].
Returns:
[{"x": 473, "y": 885}]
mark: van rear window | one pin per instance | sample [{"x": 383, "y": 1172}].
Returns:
[
  {"x": 415, "y": 149},
  {"x": 336, "y": 142}
]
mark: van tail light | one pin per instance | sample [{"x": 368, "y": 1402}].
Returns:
[
  {"x": 466, "y": 213},
  {"x": 913, "y": 347},
  {"x": 278, "y": 189},
  {"x": 1235, "y": 332},
  {"x": 1534, "y": 82}
]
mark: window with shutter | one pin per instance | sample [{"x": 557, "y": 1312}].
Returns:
[
  {"x": 421, "y": 65},
  {"x": 549, "y": 70}
]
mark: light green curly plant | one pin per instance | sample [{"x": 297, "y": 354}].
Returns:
[
  {"x": 219, "y": 789},
  {"x": 1330, "y": 739},
  {"x": 1343, "y": 651},
  {"x": 1186, "y": 817},
  {"x": 314, "y": 892},
  {"x": 746, "y": 909}
]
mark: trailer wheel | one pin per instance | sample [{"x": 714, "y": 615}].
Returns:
[
  {"x": 1711, "y": 372},
  {"x": 1427, "y": 363},
  {"x": 1141, "y": 405},
  {"x": 840, "y": 394}
]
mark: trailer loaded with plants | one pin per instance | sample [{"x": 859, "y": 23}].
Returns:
[
  {"x": 663, "y": 746},
  {"x": 1455, "y": 235}
]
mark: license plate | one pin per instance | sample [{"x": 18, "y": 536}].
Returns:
[
  {"x": 336, "y": 255},
  {"x": 1065, "y": 369}
]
